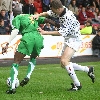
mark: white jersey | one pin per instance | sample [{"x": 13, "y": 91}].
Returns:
[
  {"x": 69, "y": 25},
  {"x": 69, "y": 28}
]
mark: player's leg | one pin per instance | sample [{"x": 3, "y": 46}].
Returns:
[
  {"x": 28, "y": 42},
  {"x": 21, "y": 52},
  {"x": 38, "y": 45},
  {"x": 89, "y": 70},
  {"x": 31, "y": 67},
  {"x": 18, "y": 57},
  {"x": 65, "y": 62},
  {"x": 78, "y": 67}
]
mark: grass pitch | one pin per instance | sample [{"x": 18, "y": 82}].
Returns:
[{"x": 50, "y": 82}]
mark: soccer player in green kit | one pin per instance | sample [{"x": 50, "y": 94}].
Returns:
[{"x": 31, "y": 44}]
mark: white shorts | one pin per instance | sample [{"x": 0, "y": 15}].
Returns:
[{"x": 72, "y": 43}]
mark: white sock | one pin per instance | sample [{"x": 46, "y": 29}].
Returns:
[
  {"x": 72, "y": 74},
  {"x": 79, "y": 67},
  {"x": 31, "y": 69},
  {"x": 15, "y": 76}
]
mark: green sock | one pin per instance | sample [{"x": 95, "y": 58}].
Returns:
[
  {"x": 31, "y": 66},
  {"x": 13, "y": 74}
]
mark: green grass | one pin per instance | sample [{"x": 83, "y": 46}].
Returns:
[{"x": 50, "y": 82}]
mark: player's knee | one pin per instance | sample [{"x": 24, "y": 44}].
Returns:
[
  {"x": 64, "y": 62},
  {"x": 17, "y": 60},
  {"x": 18, "y": 57},
  {"x": 33, "y": 56}
]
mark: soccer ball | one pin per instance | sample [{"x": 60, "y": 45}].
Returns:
[{"x": 9, "y": 82}]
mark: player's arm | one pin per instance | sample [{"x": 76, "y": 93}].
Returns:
[
  {"x": 44, "y": 14},
  {"x": 52, "y": 22},
  {"x": 55, "y": 33},
  {"x": 12, "y": 36},
  {"x": 36, "y": 16}
]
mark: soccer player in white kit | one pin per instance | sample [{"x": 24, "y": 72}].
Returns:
[{"x": 70, "y": 30}]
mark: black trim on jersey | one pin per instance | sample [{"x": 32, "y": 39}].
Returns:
[{"x": 63, "y": 12}]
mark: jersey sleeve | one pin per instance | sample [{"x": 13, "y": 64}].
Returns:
[
  {"x": 16, "y": 22},
  {"x": 41, "y": 20},
  {"x": 50, "y": 13}
]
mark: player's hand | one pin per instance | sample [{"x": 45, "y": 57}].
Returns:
[
  {"x": 4, "y": 49},
  {"x": 41, "y": 31},
  {"x": 36, "y": 16}
]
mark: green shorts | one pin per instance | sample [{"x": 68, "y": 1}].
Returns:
[{"x": 31, "y": 43}]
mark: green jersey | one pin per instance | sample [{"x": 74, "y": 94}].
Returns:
[
  {"x": 31, "y": 41},
  {"x": 25, "y": 23}
]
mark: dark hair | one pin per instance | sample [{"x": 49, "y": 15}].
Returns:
[
  {"x": 3, "y": 10},
  {"x": 1, "y": 20},
  {"x": 89, "y": 22},
  {"x": 56, "y": 4}
]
